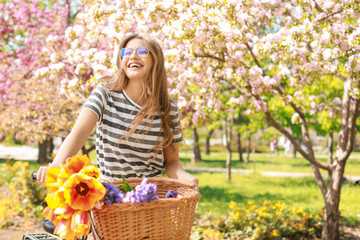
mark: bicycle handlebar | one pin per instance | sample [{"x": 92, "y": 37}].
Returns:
[{"x": 34, "y": 175}]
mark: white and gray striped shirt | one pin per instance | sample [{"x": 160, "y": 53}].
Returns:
[{"x": 115, "y": 155}]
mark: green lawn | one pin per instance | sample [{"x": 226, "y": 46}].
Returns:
[
  {"x": 216, "y": 193},
  {"x": 266, "y": 162},
  {"x": 298, "y": 192}
]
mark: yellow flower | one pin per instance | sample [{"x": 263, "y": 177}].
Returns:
[
  {"x": 91, "y": 171},
  {"x": 80, "y": 223},
  {"x": 52, "y": 180},
  {"x": 274, "y": 233},
  {"x": 55, "y": 199},
  {"x": 81, "y": 192}
]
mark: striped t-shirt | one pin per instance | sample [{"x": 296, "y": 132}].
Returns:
[{"x": 117, "y": 156}]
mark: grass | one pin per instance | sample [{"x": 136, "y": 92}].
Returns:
[
  {"x": 266, "y": 162},
  {"x": 298, "y": 192},
  {"x": 216, "y": 193}
]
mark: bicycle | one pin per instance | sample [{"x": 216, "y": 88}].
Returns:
[{"x": 48, "y": 226}]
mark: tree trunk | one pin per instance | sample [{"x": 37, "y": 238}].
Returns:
[
  {"x": 248, "y": 145},
  {"x": 45, "y": 151},
  {"x": 86, "y": 151},
  {"x": 207, "y": 142},
  {"x": 330, "y": 230},
  {"x": 294, "y": 149},
  {"x": 196, "y": 157},
  {"x": 239, "y": 147},
  {"x": 228, "y": 138},
  {"x": 331, "y": 147}
]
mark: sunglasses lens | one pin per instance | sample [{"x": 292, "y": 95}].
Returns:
[
  {"x": 143, "y": 52},
  {"x": 125, "y": 52}
]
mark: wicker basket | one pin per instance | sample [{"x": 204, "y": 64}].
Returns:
[{"x": 166, "y": 218}]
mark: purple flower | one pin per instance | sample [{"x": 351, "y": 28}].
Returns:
[
  {"x": 171, "y": 194},
  {"x": 145, "y": 192},
  {"x": 112, "y": 195}
]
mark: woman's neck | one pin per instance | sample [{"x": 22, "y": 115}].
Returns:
[{"x": 134, "y": 90}]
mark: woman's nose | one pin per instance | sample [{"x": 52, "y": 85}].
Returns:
[{"x": 134, "y": 54}]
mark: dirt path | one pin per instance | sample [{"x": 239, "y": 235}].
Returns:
[{"x": 19, "y": 226}]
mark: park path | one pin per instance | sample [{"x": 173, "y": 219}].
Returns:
[{"x": 31, "y": 153}]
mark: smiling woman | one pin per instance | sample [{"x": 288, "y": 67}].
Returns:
[{"x": 137, "y": 125}]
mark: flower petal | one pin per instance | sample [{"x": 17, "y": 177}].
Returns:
[
  {"x": 76, "y": 163},
  {"x": 81, "y": 192},
  {"x": 64, "y": 212},
  {"x": 50, "y": 214},
  {"x": 63, "y": 230},
  {"x": 80, "y": 223},
  {"x": 91, "y": 171},
  {"x": 52, "y": 178}
]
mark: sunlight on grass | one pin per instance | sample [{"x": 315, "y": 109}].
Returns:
[
  {"x": 216, "y": 193},
  {"x": 266, "y": 162}
]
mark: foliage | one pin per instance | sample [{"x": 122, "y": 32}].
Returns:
[
  {"x": 268, "y": 221},
  {"x": 32, "y": 33},
  {"x": 24, "y": 196}
]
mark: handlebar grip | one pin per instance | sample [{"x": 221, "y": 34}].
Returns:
[{"x": 34, "y": 175}]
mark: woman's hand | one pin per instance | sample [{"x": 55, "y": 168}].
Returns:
[
  {"x": 41, "y": 174},
  {"x": 187, "y": 177},
  {"x": 174, "y": 169}
]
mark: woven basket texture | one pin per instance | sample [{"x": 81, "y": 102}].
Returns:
[{"x": 166, "y": 218}]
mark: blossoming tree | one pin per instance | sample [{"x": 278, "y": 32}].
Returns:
[
  {"x": 294, "y": 61},
  {"x": 298, "y": 58},
  {"x": 31, "y": 109}
]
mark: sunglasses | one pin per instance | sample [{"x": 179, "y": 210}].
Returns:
[{"x": 142, "y": 52}]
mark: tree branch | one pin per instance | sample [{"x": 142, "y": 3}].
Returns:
[
  {"x": 352, "y": 130},
  {"x": 310, "y": 157},
  {"x": 344, "y": 130},
  {"x": 318, "y": 7},
  {"x": 253, "y": 55},
  {"x": 209, "y": 56},
  {"x": 330, "y": 15},
  {"x": 304, "y": 126}
]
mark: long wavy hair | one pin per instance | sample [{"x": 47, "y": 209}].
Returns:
[{"x": 154, "y": 91}]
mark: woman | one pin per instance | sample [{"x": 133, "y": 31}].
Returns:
[{"x": 137, "y": 124}]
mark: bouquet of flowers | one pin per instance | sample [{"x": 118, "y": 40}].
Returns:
[{"x": 75, "y": 188}]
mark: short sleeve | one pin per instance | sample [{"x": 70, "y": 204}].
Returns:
[
  {"x": 175, "y": 117},
  {"x": 97, "y": 101}
]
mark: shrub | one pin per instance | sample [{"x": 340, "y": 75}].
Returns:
[
  {"x": 269, "y": 221},
  {"x": 24, "y": 196}
]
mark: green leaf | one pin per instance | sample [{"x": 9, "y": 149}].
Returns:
[{"x": 125, "y": 185}]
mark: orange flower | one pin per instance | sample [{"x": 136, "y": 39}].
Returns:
[
  {"x": 81, "y": 191},
  {"x": 49, "y": 213},
  {"x": 73, "y": 165},
  {"x": 64, "y": 212},
  {"x": 63, "y": 230},
  {"x": 55, "y": 199},
  {"x": 91, "y": 171},
  {"x": 80, "y": 223},
  {"x": 76, "y": 163}
]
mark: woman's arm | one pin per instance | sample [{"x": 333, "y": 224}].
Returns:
[
  {"x": 73, "y": 142},
  {"x": 174, "y": 168}
]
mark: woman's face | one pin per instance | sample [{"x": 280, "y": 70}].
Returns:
[{"x": 135, "y": 66}]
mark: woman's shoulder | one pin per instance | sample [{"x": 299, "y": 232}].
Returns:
[
  {"x": 173, "y": 104},
  {"x": 174, "y": 107}
]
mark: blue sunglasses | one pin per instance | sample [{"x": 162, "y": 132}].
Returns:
[{"x": 142, "y": 52}]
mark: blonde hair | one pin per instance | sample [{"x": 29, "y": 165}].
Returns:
[{"x": 155, "y": 91}]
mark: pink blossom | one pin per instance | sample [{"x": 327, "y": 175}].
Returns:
[{"x": 337, "y": 101}]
